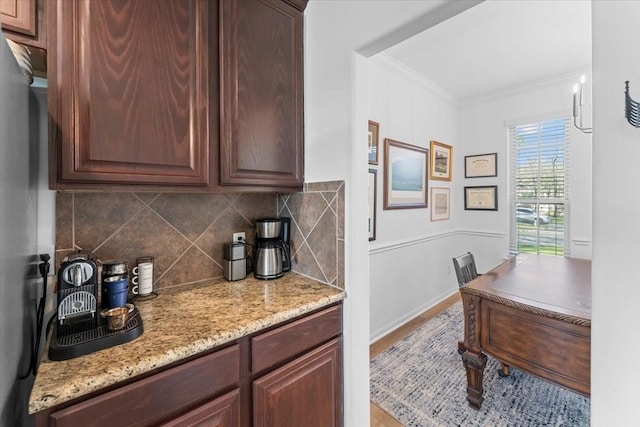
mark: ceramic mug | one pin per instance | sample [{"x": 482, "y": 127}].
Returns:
[
  {"x": 143, "y": 276},
  {"x": 114, "y": 291}
]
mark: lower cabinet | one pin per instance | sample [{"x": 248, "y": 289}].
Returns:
[
  {"x": 305, "y": 392},
  {"x": 221, "y": 412},
  {"x": 287, "y": 375}
]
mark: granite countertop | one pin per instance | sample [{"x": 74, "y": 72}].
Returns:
[{"x": 181, "y": 322}]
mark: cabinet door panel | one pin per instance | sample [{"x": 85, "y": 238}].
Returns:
[
  {"x": 221, "y": 412},
  {"x": 306, "y": 392},
  {"x": 131, "y": 91},
  {"x": 19, "y": 16},
  {"x": 261, "y": 138}
]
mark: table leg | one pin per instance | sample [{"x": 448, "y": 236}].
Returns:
[
  {"x": 473, "y": 359},
  {"x": 474, "y": 364}
]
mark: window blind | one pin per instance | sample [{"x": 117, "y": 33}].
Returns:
[{"x": 539, "y": 186}]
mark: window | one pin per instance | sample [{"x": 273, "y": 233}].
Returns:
[{"x": 539, "y": 187}]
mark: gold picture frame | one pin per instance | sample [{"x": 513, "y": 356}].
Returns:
[
  {"x": 374, "y": 137},
  {"x": 441, "y": 161}
]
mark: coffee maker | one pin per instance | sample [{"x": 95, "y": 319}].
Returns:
[
  {"x": 271, "y": 253},
  {"x": 77, "y": 291},
  {"x": 81, "y": 327}
]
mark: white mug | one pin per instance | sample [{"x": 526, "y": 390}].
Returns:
[{"x": 142, "y": 278}]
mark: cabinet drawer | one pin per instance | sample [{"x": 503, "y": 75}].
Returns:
[
  {"x": 221, "y": 412},
  {"x": 294, "y": 338},
  {"x": 155, "y": 398}
]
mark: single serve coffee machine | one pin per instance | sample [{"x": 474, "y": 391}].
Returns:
[{"x": 272, "y": 252}]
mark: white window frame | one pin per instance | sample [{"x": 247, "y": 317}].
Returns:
[{"x": 565, "y": 201}]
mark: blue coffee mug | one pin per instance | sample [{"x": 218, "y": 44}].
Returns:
[{"x": 114, "y": 292}]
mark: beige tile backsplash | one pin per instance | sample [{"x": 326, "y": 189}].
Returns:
[{"x": 185, "y": 233}]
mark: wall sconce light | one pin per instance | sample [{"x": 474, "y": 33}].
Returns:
[
  {"x": 631, "y": 108},
  {"x": 578, "y": 103}
]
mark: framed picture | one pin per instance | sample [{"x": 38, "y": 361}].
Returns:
[
  {"x": 481, "y": 165},
  {"x": 440, "y": 203},
  {"x": 441, "y": 159},
  {"x": 405, "y": 175},
  {"x": 373, "y": 184},
  {"x": 481, "y": 198},
  {"x": 374, "y": 134}
]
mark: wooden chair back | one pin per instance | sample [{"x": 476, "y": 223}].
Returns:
[{"x": 465, "y": 266}]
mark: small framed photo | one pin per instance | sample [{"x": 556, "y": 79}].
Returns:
[
  {"x": 440, "y": 203},
  {"x": 405, "y": 175},
  {"x": 481, "y": 165},
  {"x": 373, "y": 187},
  {"x": 374, "y": 135},
  {"x": 481, "y": 198},
  {"x": 441, "y": 161}
]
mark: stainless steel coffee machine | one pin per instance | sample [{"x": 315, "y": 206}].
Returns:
[
  {"x": 77, "y": 290},
  {"x": 272, "y": 252}
]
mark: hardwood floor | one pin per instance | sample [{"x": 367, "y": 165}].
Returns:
[{"x": 380, "y": 418}]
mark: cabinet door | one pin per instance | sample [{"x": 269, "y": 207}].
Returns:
[
  {"x": 129, "y": 91},
  {"x": 306, "y": 392},
  {"x": 261, "y": 65},
  {"x": 221, "y": 412},
  {"x": 19, "y": 16},
  {"x": 158, "y": 397}
]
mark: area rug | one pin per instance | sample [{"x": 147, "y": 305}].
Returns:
[{"x": 420, "y": 381}]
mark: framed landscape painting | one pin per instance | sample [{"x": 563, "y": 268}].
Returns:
[
  {"x": 441, "y": 161},
  {"x": 405, "y": 175}
]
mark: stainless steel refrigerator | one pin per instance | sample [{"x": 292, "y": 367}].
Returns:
[{"x": 22, "y": 115}]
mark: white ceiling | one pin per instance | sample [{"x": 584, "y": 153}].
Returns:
[{"x": 500, "y": 45}]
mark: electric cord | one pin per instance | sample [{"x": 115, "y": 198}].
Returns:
[
  {"x": 43, "y": 267},
  {"x": 249, "y": 255}
]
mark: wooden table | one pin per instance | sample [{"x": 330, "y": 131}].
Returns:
[{"x": 531, "y": 312}]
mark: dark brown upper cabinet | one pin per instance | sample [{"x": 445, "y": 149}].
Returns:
[
  {"x": 142, "y": 96},
  {"x": 129, "y": 92},
  {"x": 19, "y": 16},
  {"x": 261, "y": 137},
  {"x": 23, "y": 21}
]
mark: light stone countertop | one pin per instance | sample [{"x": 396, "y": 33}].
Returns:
[{"x": 181, "y": 322}]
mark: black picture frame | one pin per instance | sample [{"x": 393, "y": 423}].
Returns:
[
  {"x": 481, "y": 198},
  {"x": 481, "y": 165}
]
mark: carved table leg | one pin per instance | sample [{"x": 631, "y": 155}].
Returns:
[
  {"x": 474, "y": 364},
  {"x": 505, "y": 371},
  {"x": 473, "y": 359}
]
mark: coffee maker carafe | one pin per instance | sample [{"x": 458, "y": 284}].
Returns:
[{"x": 271, "y": 254}]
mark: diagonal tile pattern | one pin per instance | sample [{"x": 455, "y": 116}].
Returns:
[
  {"x": 185, "y": 233},
  {"x": 317, "y": 223}
]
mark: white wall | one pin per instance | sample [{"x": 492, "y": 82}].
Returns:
[
  {"x": 615, "y": 379},
  {"x": 336, "y": 111},
  {"x": 336, "y": 138},
  {"x": 410, "y": 260},
  {"x": 482, "y": 130}
]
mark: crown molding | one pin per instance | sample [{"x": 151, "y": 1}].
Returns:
[
  {"x": 525, "y": 87},
  {"x": 397, "y": 67}
]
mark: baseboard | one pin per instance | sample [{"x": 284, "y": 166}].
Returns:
[{"x": 398, "y": 323}]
